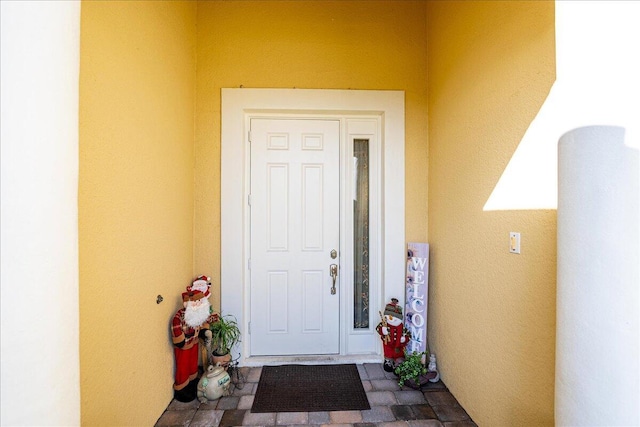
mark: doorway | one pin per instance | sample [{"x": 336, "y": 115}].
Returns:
[{"x": 285, "y": 301}]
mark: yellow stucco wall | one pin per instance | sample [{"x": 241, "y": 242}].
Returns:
[
  {"x": 147, "y": 225},
  {"x": 492, "y": 319},
  {"x": 307, "y": 44},
  {"x": 137, "y": 101}
]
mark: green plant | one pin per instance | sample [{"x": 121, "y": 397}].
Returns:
[
  {"x": 225, "y": 333},
  {"x": 411, "y": 368}
]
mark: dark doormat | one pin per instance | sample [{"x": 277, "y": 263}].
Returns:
[{"x": 310, "y": 388}]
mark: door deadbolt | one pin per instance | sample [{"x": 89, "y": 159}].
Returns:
[{"x": 334, "y": 254}]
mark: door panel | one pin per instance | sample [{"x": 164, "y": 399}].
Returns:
[
  {"x": 295, "y": 213},
  {"x": 277, "y": 208},
  {"x": 312, "y": 213}
]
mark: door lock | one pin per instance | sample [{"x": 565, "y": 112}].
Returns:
[
  {"x": 333, "y": 270},
  {"x": 334, "y": 254}
]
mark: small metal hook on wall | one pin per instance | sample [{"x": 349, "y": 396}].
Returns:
[{"x": 159, "y": 299}]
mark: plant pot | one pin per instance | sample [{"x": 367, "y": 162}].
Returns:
[
  {"x": 423, "y": 380},
  {"x": 223, "y": 360},
  {"x": 225, "y": 334}
]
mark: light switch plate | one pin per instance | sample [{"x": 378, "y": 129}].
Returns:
[{"x": 514, "y": 242}]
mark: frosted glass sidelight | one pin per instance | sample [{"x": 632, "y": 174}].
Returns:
[{"x": 361, "y": 234}]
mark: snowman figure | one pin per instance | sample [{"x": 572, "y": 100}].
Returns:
[
  {"x": 393, "y": 334},
  {"x": 433, "y": 368}
]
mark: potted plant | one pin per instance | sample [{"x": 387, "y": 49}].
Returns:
[
  {"x": 225, "y": 333},
  {"x": 412, "y": 371}
]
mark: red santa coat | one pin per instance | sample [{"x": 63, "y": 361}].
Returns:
[
  {"x": 186, "y": 356},
  {"x": 393, "y": 348}
]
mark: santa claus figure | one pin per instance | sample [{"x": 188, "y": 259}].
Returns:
[
  {"x": 188, "y": 325},
  {"x": 394, "y": 336}
]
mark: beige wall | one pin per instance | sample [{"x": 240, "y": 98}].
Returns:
[
  {"x": 492, "y": 319},
  {"x": 306, "y": 44},
  {"x": 137, "y": 100}
]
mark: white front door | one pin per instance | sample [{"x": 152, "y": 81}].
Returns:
[{"x": 295, "y": 226}]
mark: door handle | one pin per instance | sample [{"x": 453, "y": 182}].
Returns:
[{"x": 333, "y": 271}]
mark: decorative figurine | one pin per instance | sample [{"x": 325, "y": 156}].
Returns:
[
  {"x": 188, "y": 325},
  {"x": 393, "y": 334},
  {"x": 433, "y": 368},
  {"x": 214, "y": 384}
]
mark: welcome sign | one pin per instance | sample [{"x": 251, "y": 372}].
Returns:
[{"x": 416, "y": 296}]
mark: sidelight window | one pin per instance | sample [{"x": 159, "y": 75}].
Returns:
[{"x": 361, "y": 233}]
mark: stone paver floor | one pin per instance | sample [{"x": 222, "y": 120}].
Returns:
[{"x": 391, "y": 406}]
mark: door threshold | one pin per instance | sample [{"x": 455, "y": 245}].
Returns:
[{"x": 320, "y": 359}]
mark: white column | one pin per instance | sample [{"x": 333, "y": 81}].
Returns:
[
  {"x": 40, "y": 328},
  {"x": 598, "y": 297}
]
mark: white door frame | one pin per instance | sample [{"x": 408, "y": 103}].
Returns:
[{"x": 237, "y": 104}]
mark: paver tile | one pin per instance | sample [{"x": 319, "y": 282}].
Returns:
[
  {"x": 209, "y": 405},
  {"x": 363, "y": 372},
  {"x": 437, "y": 398},
  {"x": 206, "y": 418},
  {"x": 228, "y": 402},
  {"x": 403, "y": 412},
  {"x": 410, "y": 397},
  {"x": 385, "y": 384},
  {"x": 345, "y": 417},
  {"x": 292, "y": 418},
  {"x": 246, "y": 402},
  {"x": 247, "y": 388},
  {"x": 424, "y": 423},
  {"x": 437, "y": 386},
  {"x": 390, "y": 375},
  {"x": 460, "y": 424},
  {"x": 176, "y": 418},
  {"x": 176, "y": 405},
  {"x": 378, "y": 414},
  {"x": 259, "y": 419},
  {"x": 451, "y": 413},
  {"x": 232, "y": 417},
  {"x": 380, "y": 398},
  {"x": 374, "y": 371},
  {"x": 423, "y": 412},
  {"x": 254, "y": 375},
  {"x": 394, "y": 424},
  {"x": 320, "y": 417}
]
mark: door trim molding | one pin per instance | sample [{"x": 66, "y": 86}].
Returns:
[{"x": 236, "y": 104}]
